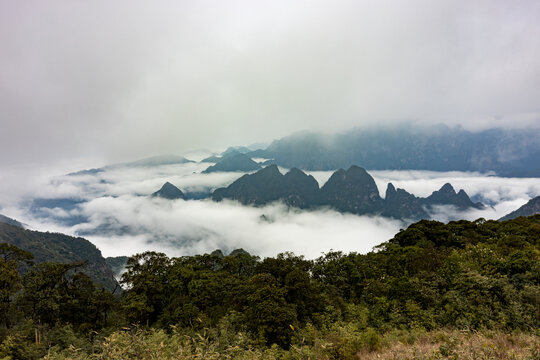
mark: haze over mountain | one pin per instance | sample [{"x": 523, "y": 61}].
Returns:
[
  {"x": 436, "y": 148},
  {"x": 234, "y": 162},
  {"x": 146, "y": 162},
  {"x": 10, "y": 221}
]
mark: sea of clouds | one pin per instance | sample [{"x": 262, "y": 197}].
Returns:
[{"x": 113, "y": 210}]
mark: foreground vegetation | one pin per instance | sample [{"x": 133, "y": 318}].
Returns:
[
  {"x": 340, "y": 342},
  {"x": 463, "y": 290}
]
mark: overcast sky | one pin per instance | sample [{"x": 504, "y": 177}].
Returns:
[{"x": 119, "y": 80}]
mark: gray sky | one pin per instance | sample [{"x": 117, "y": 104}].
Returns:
[{"x": 125, "y": 79}]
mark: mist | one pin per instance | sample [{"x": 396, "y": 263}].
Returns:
[{"x": 130, "y": 79}]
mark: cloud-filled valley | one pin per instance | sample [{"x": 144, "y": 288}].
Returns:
[{"x": 113, "y": 209}]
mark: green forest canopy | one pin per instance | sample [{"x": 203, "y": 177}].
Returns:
[{"x": 461, "y": 275}]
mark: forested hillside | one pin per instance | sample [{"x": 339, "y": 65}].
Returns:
[
  {"x": 60, "y": 248},
  {"x": 451, "y": 286}
]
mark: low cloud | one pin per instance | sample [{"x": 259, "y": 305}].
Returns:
[
  {"x": 192, "y": 227},
  {"x": 118, "y": 216}
]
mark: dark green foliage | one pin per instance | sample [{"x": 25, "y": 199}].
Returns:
[
  {"x": 269, "y": 317},
  {"x": 35, "y": 307},
  {"x": 11, "y": 258},
  {"x": 461, "y": 275}
]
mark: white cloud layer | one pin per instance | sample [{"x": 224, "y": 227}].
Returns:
[{"x": 122, "y": 220}]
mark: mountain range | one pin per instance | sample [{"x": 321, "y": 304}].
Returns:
[
  {"x": 406, "y": 147},
  {"x": 353, "y": 191},
  {"x": 147, "y": 162}
]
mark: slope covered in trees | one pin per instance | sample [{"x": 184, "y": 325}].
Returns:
[
  {"x": 60, "y": 248},
  {"x": 479, "y": 276}
]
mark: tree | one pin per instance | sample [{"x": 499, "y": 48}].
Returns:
[
  {"x": 147, "y": 282},
  {"x": 42, "y": 292},
  {"x": 11, "y": 257}
]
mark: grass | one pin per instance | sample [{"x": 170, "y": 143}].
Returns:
[{"x": 397, "y": 344}]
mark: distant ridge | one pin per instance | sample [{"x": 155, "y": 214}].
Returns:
[
  {"x": 231, "y": 151},
  {"x": 507, "y": 152},
  {"x": 146, "y": 162},
  {"x": 353, "y": 191},
  {"x": 236, "y": 162},
  {"x": 532, "y": 207}
]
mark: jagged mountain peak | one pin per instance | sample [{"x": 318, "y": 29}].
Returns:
[
  {"x": 270, "y": 169},
  {"x": 447, "y": 189},
  {"x": 446, "y": 195},
  {"x": 357, "y": 170},
  {"x": 390, "y": 191},
  {"x": 169, "y": 191},
  {"x": 352, "y": 190},
  {"x": 296, "y": 174}
]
